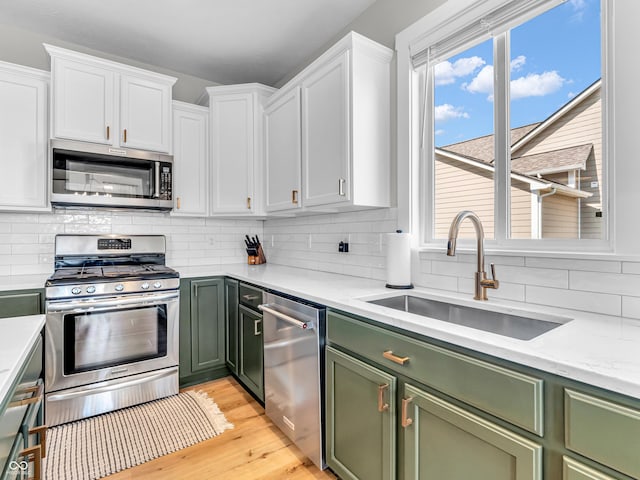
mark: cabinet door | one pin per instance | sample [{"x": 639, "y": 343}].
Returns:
[
  {"x": 190, "y": 160},
  {"x": 251, "y": 363},
  {"x": 282, "y": 126},
  {"x": 231, "y": 314},
  {"x": 232, "y": 146},
  {"x": 361, "y": 412},
  {"x": 207, "y": 324},
  {"x": 145, "y": 114},
  {"x": 23, "y": 139},
  {"x": 325, "y": 134},
  {"x": 442, "y": 440},
  {"x": 574, "y": 470},
  {"x": 21, "y": 302},
  {"x": 83, "y": 102}
]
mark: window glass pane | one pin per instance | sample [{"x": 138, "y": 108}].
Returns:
[
  {"x": 556, "y": 124},
  {"x": 464, "y": 146}
]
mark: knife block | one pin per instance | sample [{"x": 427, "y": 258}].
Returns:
[{"x": 257, "y": 259}]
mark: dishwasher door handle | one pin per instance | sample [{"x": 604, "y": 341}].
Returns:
[{"x": 287, "y": 318}]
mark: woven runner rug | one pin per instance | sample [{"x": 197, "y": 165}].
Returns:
[{"x": 99, "y": 446}]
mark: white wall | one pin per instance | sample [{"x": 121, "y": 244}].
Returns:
[{"x": 27, "y": 240}]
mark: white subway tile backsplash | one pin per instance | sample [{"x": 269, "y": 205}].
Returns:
[
  {"x": 533, "y": 276},
  {"x": 615, "y": 283},
  {"x": 575, "y": 300},
  {"x": 631, "y": 267},
  {"x": 631, "y": 307},
  {"x": 575, "y": 264}
]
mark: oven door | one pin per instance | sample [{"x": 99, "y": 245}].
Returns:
[{"x": 94, "y": 340}]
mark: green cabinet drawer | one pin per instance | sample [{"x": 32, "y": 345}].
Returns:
[
  {"x": 573, "y": 470},
  {"x": 20, "y": 303},
  {"x": 603, "y": 431},
  {"x": 250, "y": 296},
  {"x": 507, "y": 394}
]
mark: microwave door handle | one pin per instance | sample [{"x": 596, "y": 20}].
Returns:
[{"x": 156, "y": 168}]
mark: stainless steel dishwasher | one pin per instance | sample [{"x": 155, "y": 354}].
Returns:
[{"x": 293, "y": 371}]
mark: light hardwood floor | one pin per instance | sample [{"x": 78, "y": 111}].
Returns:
[{"x": 254, "y": 449}]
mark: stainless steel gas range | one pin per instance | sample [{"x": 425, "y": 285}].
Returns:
[{"x": 111, "y": 335}]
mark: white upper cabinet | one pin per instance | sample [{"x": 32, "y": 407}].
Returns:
[
  {"x": 23, "y": 138},
  {"x": 100, "y": 101},
  {"x": 325, "y": 133},
  {"x": 190, "y": 160},
  {"x": 342, "y": 141},
  {"x": 282, "y": 158},
  {"x": 237, "y": 148}
]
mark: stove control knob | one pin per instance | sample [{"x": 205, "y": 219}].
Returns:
[
  {"x": 145, "y": 286},
  {"x": 157, "y": 284},
  {"x": 91, "y": 289},
  {"x": 76, "y": 290},
  {"x": 119, "y": 287}
]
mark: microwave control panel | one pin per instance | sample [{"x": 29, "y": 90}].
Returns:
[{"x": 165, "y": 181}]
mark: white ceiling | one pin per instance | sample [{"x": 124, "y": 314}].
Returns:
[{"x": 224, "y": 41}]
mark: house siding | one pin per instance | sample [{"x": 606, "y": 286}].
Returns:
[
  {"x": 560, "y": 217},
  {"x": 581, "y": 125}
]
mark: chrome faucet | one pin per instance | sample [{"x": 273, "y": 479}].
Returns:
[{"x": 482, "y": 282}]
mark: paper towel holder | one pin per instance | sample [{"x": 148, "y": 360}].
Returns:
[{"x": 408, "y": 286}]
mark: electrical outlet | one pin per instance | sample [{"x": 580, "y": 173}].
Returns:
[{"x": 343, "y": 247}]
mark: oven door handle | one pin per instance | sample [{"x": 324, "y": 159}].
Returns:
[{"x": 128, "y": 302}]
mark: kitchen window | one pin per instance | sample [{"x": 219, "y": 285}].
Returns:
[{"x": 508, "y": 118}]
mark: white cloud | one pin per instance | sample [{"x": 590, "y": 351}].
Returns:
[
  {"x": 536, "y": 85},
  {"x": 447, "y": 111},
  {"x": 439, "y": 132},
  {"x": 518, "y": 62},
  {"x": 482, "y": 83},
  {"x": 446, "y": 73},
  {"x": 579, "y": 7}
]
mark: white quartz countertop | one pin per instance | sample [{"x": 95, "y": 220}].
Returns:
[
  {"x": 17, "y": 337},
  {"x": 596, "y": 349}
]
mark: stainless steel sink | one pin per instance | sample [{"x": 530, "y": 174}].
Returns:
[{"x": 514, "y": 326}]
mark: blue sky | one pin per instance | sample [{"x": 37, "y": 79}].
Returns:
[{"x": 553, "y": 57}]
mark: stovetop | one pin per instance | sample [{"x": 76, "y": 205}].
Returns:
[{"x": 109, "y": 273}]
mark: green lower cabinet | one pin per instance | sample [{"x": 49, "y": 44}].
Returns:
[
  {"x": 251, "y": 349},
  {"x": 443, "y": 441},
  {"x": 17, "y": 303},
  {"x": 574, "y": 470},
  {"x": 202, "y": 336},
  {"x": 231, "y": 320},
  {"x": 360, "y": 419}
]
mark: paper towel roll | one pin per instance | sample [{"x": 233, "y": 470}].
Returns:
[{"x": 399, "y": 260}]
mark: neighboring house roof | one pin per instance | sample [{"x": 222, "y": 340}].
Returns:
[
  {"x": 529, "y": 168},
  {"x": 482, "y": 147},
  {"x": 536, "y": 184},
  {"x": 565, "y": 159}
]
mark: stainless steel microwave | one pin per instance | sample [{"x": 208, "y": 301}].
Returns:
[{"x": 92, "y": 175}]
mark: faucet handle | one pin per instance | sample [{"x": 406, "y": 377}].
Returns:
[{"x": 493, "y": 283}]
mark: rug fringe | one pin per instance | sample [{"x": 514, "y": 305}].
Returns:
[{"x": 217, "y": 417}]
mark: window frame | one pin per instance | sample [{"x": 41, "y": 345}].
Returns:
[{"x": 416, "y": 162}]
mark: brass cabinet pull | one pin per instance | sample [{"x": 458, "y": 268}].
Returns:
[
  {"x": 37, "y": 391},
  {"x": 294, "y": 196},
  {"x": 382, "y": 406},
  {"x": 108, "y": 132},
  {"x": 256, "y": 332},
  {"x": 388, "y": 354},
  {"x": 125, "y": 135},
  {"x": 405, "y": 405},
  {"x": 178, "y": 203},
  {"x": 42, "y": 431},
  {"x": 341, "y": 182},
  {"x": 248, "y": 203},
  {"x": 250, "y": 298},
  {"x": 36, "y": 453}
]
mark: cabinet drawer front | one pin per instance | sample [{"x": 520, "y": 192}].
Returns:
[
  {"x": 572, "y": 470},
  {"x": 510, "y": 395},
  {"x": 604, "y": 431},
  {"x": 250, "y": 296}
]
